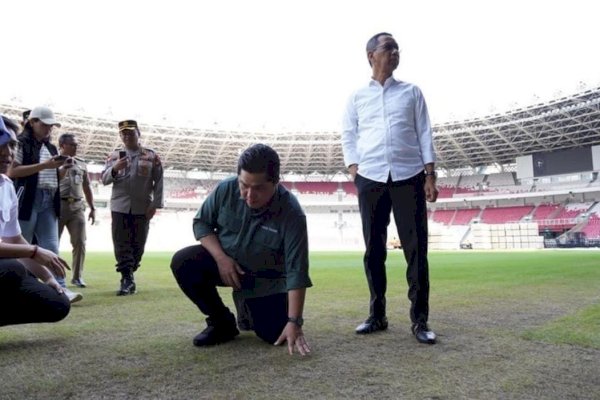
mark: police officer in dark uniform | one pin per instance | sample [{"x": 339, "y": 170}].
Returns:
[{"x": 136, "y": 174}]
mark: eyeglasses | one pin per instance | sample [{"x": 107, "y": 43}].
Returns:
[{"x": 388, "y": 46}]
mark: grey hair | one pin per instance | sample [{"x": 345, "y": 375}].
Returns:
[{"x": 374, "y": 41}]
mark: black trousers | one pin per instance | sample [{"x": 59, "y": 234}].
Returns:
[
  {"x": 407, "y": 201},
  {"x": 197, "y": 274},
  {"x": 129, "y": 234},
  {"x": 25, "y": 299}
]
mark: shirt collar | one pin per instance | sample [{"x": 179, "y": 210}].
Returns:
[
  {"x": 4, "y": 178},
  {"x": 388, "y": 82}
]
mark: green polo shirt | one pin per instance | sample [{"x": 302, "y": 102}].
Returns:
[{"x": 270, "y": 244}]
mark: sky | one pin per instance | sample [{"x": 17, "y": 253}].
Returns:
[{"x": 289, "y": 65}]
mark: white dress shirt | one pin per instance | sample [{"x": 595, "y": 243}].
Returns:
[{"x": 386, "y": 130}]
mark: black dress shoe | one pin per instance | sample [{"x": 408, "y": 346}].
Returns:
[
  {"x": 423, "y": 334},
  {"x": 217, "y": 332},
  {"x": 372, "y": 324}
]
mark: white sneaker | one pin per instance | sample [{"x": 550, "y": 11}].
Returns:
[{"x": 74, "y": 297}]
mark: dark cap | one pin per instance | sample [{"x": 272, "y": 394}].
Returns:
[
  {"x": 127, "y": 125},
  {"x": 26, "y": 115}
]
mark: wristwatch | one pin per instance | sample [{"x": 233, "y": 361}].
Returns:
[
  {"x": 432, "y": 173},
  {"x": 296, "y": 320}
]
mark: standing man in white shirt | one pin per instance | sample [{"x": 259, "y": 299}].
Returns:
[{"x": 388, "y": 149}]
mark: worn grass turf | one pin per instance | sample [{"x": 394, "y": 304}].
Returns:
[{"x": 512, "y": 325}]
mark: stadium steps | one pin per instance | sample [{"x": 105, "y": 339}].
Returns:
[
  {"x": 594, "y": 179},
  {"x": 589, "y": 212},
  {"x": 453, "y": 217},
  {"x": 532, "y": 213},
  {"x": 466, "y": 237},
  {"x": 555, "y": 212}
]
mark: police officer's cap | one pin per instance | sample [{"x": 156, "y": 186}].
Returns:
[{"x": 128, "y": 125}]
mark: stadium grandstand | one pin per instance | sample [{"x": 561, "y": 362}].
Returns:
[{"x": 526, "y": 178}]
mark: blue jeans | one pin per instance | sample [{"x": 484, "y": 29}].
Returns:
[{"x": 43, "y": 223}]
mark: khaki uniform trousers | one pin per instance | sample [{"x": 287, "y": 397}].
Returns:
[{"x": 74, "y": 219}]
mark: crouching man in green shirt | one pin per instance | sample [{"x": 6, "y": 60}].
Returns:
[{"x": 253, "y": 238}]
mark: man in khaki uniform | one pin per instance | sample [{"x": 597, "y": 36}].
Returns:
[
  {"x": 136, "y": 174},
  {"x": 74, "y": 185}
]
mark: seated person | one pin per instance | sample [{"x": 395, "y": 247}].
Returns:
[{"x": 28, "y": 289}]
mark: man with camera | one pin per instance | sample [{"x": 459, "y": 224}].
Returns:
[
  {"x": 136, "y": 174},
  {"x": 74, "y": 185}
]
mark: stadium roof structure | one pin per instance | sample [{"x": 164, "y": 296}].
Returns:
[{"x": 568, "y": 122}]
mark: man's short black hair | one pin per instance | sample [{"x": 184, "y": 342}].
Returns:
[
  {"x": 260, "y": 158},
  {"x": 374, "y": 41},
  {"x": 64, "y": 137}
]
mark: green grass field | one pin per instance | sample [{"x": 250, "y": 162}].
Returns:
[{"x": 511, "y": 325}]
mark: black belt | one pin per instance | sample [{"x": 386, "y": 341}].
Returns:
[{"x": 70, "y": 199}]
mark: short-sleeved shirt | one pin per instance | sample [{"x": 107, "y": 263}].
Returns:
[
  {"x": 71, "y": 185},
  {"x": 47, "y": 177},
  {"x": 9, "y": 209},
  {"x": 270, "y": 244}
]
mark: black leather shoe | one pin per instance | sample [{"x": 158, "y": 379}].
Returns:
[
  {"x": 215, "y": 334},
  {"x": 127, "y": 286},
  {"x": 372, "y": 324},
  {"x": 423, "y": 334}
]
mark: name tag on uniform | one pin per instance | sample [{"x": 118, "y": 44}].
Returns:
[{"x": 269, "y": 229}]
